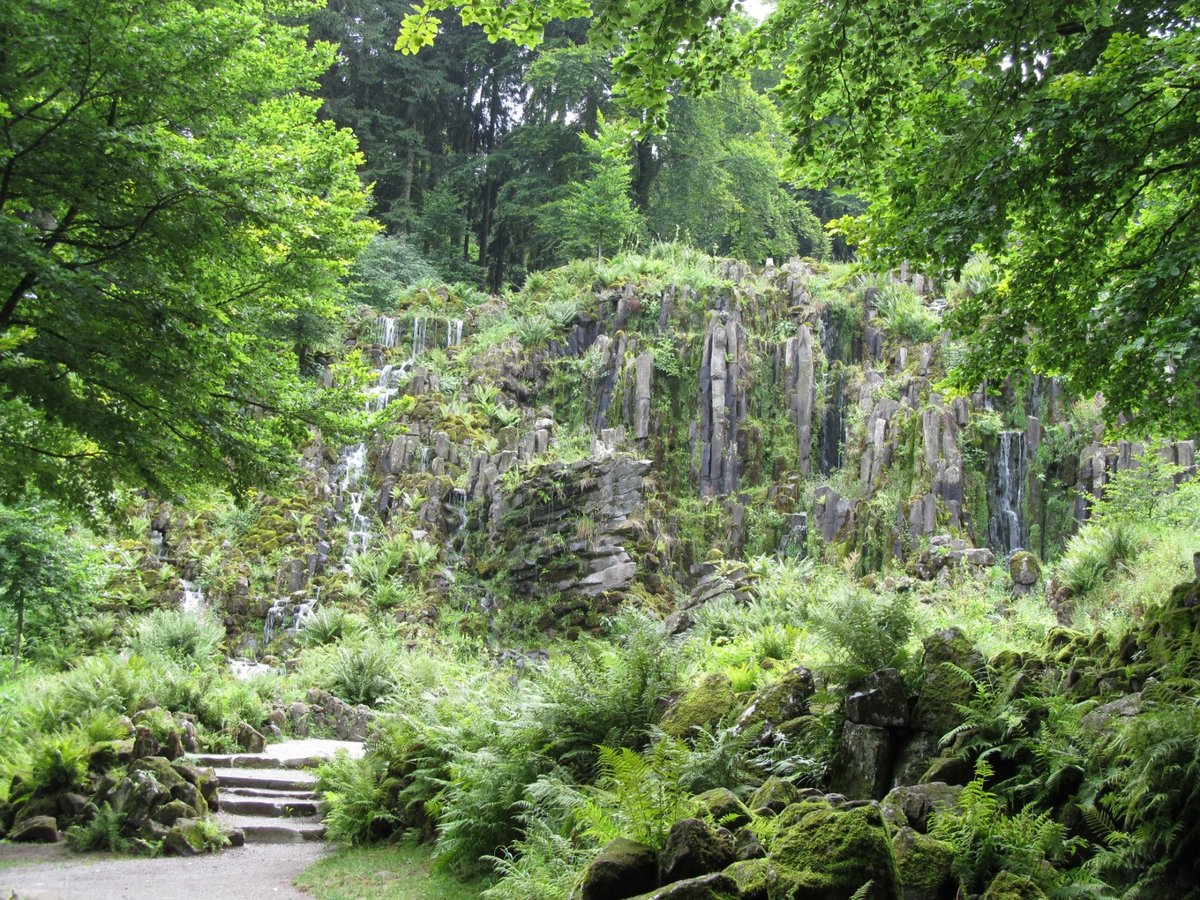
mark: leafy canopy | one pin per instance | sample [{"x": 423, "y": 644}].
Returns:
[{"x": 174, "y": 222}]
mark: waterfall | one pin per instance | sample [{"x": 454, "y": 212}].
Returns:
[
  {"x": 245, "y": 669},
  {"x": 382, "y": 392},
  {"x": 354, "y": 473},
  {"x": 193, "y": 602},
  {"x": 454, "y": 332},
  {"x": 385, "y": 330},
  {"x": 456, "y": 506},
  {"x": 1006, "y": 524},
  {"x": 158, "y": 541},
  {"x": 286, "y": 616},
  {"x": 829, "y": 443}
]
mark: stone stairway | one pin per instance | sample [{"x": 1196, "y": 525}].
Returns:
[{"x": 270, "y": 797}]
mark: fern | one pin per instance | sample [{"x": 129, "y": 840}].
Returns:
[{"x": 356, "y": 802}]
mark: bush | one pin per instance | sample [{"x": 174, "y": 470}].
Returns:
[
  {"x": 179, "y": 636},
  {"x": 329, "y": 625},
  {"x": 904, "y": 315},
  {"x": 362, "y": 673},
  {"x": 356, "y": 799},
  {"x": 867, "y": 632},
  {"x": 59, "y": 761},
  {"x": 1092, "y": 555}
]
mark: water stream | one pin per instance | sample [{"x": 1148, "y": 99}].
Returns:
[{"x": 1007, "y": 530}]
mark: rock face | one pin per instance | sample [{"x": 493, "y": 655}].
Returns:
[
  {"x": 568, "y": 529},
  {"x": 879, "y": 700},
  {"x": 693, "y": 849},
  {"x": 800, "y": 386},
  {"x": 722, "y": 402}
]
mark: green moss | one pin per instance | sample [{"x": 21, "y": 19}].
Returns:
[
  {"x": 705, "y": 704},
  {"x": 1009, "y": 886},
  {"x": 923, "y": 863},
  {"x": 751, "y": 876},
  {"x": 829, "y": 854}
]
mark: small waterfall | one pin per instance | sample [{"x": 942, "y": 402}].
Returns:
[
  {"x": 158, "y": 541},
  {"x": 193, "y": 602},
  {"x": 424, "y": 459},
  {"x": 245, "y": 669},
  {"x": 354, "y": 475},
  {"x": 383, "y": 392},
  {"x": 456, "y": 506},
  {"x": 385, "y": 331},
  {"x": 1006, "y": 524},
  {"x": 833, "y": 419},
  {"x": 286, "y": 616},
  {"x": 454, "y": 332}
]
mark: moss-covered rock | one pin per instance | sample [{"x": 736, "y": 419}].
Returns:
[
  {"x": 1010, "y": 886},
  {"x": 823, "y": 853},
  {"x": 707, "y": 703},
  {"x": 943, "y": 689},
  {"x": 774, "y": 794},
  {"x": 864, "y": 762},
  {"x": 693, "y": 849},
  {"x": 725, "y": 807},
  {"x": 622, "y": 868},
  {"x": 780, "y": 701},
  {"x": 170, "y": 813},
  {"x": 162, "y": 770},
  {"x": 717, "y": 886},
  {"x": 751, "y": 878},
  {"x": 924, "y": 865},
  {"x": 191, "y": 837},
  {"x": 909, "y": 806}
]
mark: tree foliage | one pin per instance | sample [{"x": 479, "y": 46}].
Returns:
[{"x": 173, "y": 226}]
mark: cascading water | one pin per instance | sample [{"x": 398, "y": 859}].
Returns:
[
  {"x": 1006, "y": 524},
  {"x": 354, "y": 474},
  {"x": 158, "y": 540},
  {"x": 383, "y": 391},
  {"x": 286, "y": 616},
  {"x": 456, "y": 506},
  {"x": 385, "y": 330},
  {"x": 193, "y": 602}
]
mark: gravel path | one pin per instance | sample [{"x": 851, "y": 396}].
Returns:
[{"x": 29, "y": 872}]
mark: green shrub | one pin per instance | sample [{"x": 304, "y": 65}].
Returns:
[
  {"x": 904, "y": 315},
  {"x": 362, "y": 673},
  {"x": 866, "y": 631},
  {"x": 180, "y": 636},
  {"x": 329, "y": 625},
  {"x": 59, "y": 761},
  {"x": 1092, "y": 555},
  {"x": 355, "y": 794},
  {"x": 103, "y": 832}
]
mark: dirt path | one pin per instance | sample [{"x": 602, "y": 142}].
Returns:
[{"x": 246, "y": 873}]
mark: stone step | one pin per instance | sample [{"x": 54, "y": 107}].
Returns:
[
  {"x": 266, "y": 779},
  {"x": 267, "y": 792},
  {"x": 275, "y": 807},
  {"x": 255, "y": 761},
  {"x": 267, "y": 830}
]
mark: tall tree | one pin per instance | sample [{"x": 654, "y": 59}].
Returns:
[{"x": 173, "y": 221}]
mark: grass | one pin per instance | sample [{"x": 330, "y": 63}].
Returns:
[{"x": 396, "y": 871}]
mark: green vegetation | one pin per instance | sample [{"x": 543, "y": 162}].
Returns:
[{"x": 395, "y": 872}]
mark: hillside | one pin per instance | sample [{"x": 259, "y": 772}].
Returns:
[{"x": 675, "y": 551}]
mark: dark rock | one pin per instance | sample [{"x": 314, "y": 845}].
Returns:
[
  {"x": 910, "y": 805},
  {"x": 692, "y": 849},
  {"x": 622, "y": 868},
  {"x": 746, "y": 845},
  {"x": 726, "y": 808},
  {"x": 948, "y": 769},
  {"x": 780, "y": 701},
  {"x": 145, "y": 744},
  {"x": 235, "y": 836},
  {"x": 172, "y": 747},
  {"x": 249, "y": 738},
  {"x": 72, "y": 804},
  {"x": 162, "y": 770},
  {"x": 169, "y": 813},
  {"x": 879, "y": 700},
  {"x": 35, "y": 830},
  {"x": 916, "y": 752},
  {"x": 943, "y": 688},
  {"x": 863, "y": 768}
]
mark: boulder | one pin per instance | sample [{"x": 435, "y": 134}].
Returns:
[
  {"x": 779, "y": 702},
  {"x": 707, "y": 703},
  {"x": 916, "y": 752},
  {"x": 726, "y": 808},
  {"x": 910, "y": 806},
  {"x": 746, "y": 845},
  {"x": 145, "y": 743},
  {"x": 924, "y": 866},
  {"x": 693, "y": 849},
  {"x": 188, "y": 837},
  {"x": 249, "y": 738},
  {"x": 1024, "y": 569},
  {"x": 1010, "y": 886},
  {"x": 864, "y": 762},
  {"x": 716, "y": 886},
  {"x": 774, "y": 795},
  {"x": 35, "y": 830},
  {"x": 751, "y": 878},
  {"x": 944, "y": 689},
  {"x": 162, "y": 770},
  {"x": 879, "y": 700},
  {"x": 170, "y": 813},
  {"x": 622, "y": 868},
  {"x": 823, "y": 853}
]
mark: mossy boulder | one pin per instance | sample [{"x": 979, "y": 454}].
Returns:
[
  {"x": 924, "y": 865},
  {"x": 35, "y": 829},
  {"x": 725, "y": 807},
  {"x": 864, "y": 762},
  {"x": 774, "y": 794},
  {"x": 622, "y": 868},
  {"x": 707, "y": 703},
  {"x": 191, "y": 837},
  {"x": 780, "y": 701},
  {"x": 909, "y": 806},
  {"x": 717, "y": 886},
  {"x": 943, "y": 688},
  {"x": 824, "y": 853},
  {"x": 751, "y": 878},
  {"x": 1024, "y": 569},
  {"x": 170, "y": 813},
  {"x": 162, "y": 770},
  {"x": 692, "y": 849},
  {"x": 1010, "y": 886}
]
